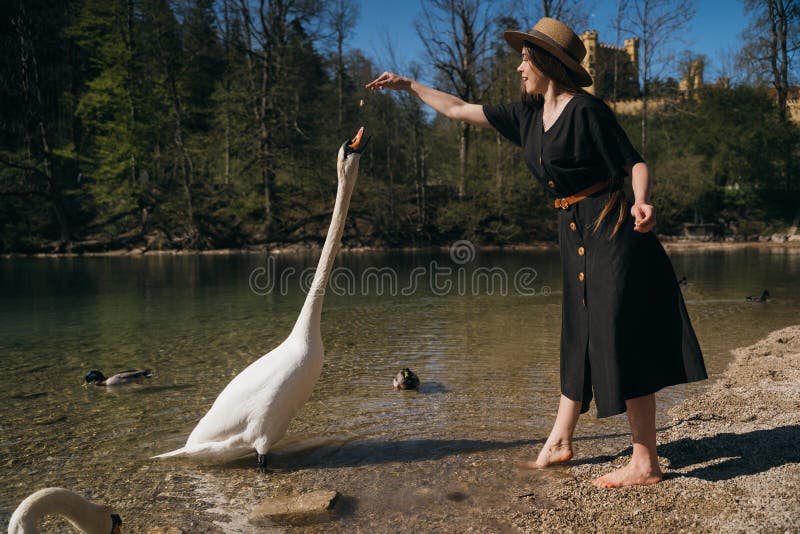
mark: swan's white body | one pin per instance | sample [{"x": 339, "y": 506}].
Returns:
[
  {"x": 84, "y": 515},
  {"x": 255, "y": 408}
]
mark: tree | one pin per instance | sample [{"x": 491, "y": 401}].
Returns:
[
  {"x": 772, "y": 40},
  {"x": 108, "y": 107},
  {"x": 161, "y": 35},
  {"x": 619, "y": 14},
  {"x": 455, "y": 34},
  {"x": 37, "y": 153},
  {"x": 659, "y": 23},
  {"x": 341, "y": 16},
  {"x": 268, "y": 29},
  {"x": 573, "y": 13}
]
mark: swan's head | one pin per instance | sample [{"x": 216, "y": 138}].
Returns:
[
  {"x": 94, "y": 376},
  {"x": 349, "y": 154},
  {"x": 83, "y": 514}
]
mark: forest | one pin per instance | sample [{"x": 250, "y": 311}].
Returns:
[{"x": 205, "y": 124}]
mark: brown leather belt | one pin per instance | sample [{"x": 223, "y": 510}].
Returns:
[{"x": 566, "y": 202}]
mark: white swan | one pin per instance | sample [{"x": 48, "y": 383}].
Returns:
[
  {"x": 254, "y": 409},
  {"x": 84, "y": 515}
]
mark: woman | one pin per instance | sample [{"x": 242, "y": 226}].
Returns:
[{"x": 625, "y": 331}]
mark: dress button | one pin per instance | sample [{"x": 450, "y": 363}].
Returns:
[
  {"x": 572, "y": 226},
  {"x": 551, "y": 183},
  {"x": 581, "y": 251},
  {"x": 581, "y": 276}
]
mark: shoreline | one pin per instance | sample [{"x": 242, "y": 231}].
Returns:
[
  {"x": 669, "y": 246},
  {"x": 729, "y": 456}
]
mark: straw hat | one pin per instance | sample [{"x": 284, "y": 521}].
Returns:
[{"x": 558, "y": 39}]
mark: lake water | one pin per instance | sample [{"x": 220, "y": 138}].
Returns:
[{"x": 487, "y": 355}]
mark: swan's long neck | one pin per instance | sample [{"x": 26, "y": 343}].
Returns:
[
  {"x": 84, "y": 515},
  {"x": 311, "y": 313}
]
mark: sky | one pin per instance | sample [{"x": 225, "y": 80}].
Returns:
[{"x": 714, "y": 30}]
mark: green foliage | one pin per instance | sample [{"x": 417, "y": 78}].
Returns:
[
  {"x": 723, "y": 157},
  {"x": 189, "y": 124}
]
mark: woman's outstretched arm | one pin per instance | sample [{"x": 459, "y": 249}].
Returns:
[
  {"x": 642, "y": 210},
  {"x": 450, "y": 106}
]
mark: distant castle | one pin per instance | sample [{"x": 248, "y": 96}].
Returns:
[{"x": 600, "y": 62}]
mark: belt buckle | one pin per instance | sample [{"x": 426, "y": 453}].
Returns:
[{"x": 564, "y": 203}]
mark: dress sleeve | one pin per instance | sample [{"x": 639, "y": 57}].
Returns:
[
  {"x": 610, "y": 140},
  {"x": 508, "y": 119}
]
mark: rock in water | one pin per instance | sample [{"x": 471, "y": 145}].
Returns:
[{"x": 306, "y": 508}]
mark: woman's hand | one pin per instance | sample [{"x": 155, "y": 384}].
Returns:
[
  {"x": 644, "y": 217},
  {"x": 390, "y": 80}
]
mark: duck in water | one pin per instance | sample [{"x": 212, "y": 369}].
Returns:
[
  {"x": 126, "y": 377},
  {"x": 762, "y": 298},
  {"x": 406, "y": 379}
]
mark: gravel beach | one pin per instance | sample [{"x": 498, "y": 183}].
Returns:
[{"x": 731, "y": 459}]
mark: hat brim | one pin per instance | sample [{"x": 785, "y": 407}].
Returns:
[{"x": 580, "y": 75}]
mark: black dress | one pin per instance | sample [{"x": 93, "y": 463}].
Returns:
[{"x": 625, "y": 331}]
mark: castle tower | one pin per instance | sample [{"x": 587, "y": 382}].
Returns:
[
  {"x": 697, "y": 73},
  {"x": 693, "y": 80},
  {"x": 614, "y": 69},
  {"x": 589, "y": 38},
  {"x": 632, "y": 49}
]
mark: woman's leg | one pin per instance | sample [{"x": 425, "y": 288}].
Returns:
[
  {"x": 643, "y": 469},
  {"x": 558, "y": 447}
]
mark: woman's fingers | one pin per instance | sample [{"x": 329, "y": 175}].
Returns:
[
  {"x": 380, "y": 80},
  {"x": 644, "y": 228},
  {"x": 388, "y": 80},
  {"x": 644, "y": 217}
]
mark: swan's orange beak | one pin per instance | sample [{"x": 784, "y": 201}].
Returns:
[{"x": 354, "y": 144}]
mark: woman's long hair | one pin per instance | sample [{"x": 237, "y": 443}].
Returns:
[{"x": 554, "y": 69}]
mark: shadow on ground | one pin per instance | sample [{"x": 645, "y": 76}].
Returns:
[
  {"x": 736, "y": 454},
  {"x": 372, "y": 452},
  {"x": 733, "y": 454}
]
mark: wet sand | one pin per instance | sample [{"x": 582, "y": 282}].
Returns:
[{"x": 731, "y": 459}]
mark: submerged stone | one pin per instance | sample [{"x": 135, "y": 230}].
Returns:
[{"x": 306, "y": 508}]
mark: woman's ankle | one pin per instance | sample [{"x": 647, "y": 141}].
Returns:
[{"x": 559, "y": 444}]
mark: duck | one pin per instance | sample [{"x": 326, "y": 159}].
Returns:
[
  {"x": 84, "y": 515},
  {"x": 97, "y": 378},
  {"x": 762, "y": 298},
  {"x": 253, "y": 411},
  {"x": 406, "y": 379}
]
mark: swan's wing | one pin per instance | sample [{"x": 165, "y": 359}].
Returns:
[{"x": 247, "y": 396}]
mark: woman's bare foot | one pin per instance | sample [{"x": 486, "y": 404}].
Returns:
[
  {"x": 630, "y": 475},
  {"x": 552, "y": 453}
]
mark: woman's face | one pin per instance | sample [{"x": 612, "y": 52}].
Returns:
[{"x": 533, "y": 80}]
